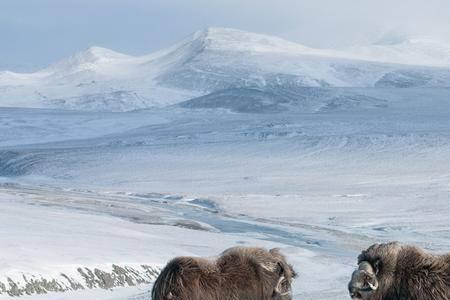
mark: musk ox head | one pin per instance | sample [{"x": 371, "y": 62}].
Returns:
[
  {"x": 363, "y": 283},
  {"x": 376, "y": 266},
  {"x": 284, "y": 273},
  {"x": 283, "y": 288}
]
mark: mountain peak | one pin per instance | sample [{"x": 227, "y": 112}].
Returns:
[
  {"x": 96, "y": 52},
  {"x": 221, "y": 38},
  {"x": 87, "y": 59}
]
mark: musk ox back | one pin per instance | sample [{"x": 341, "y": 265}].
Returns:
[
  {"x": 400, "y": 272},
  {"x": 237, "y": 274}
]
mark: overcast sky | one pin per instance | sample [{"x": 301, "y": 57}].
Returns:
[{"x": 35, "y": 33}]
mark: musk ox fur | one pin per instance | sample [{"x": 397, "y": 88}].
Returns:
[
  {"x": 237, "y": 274},
  {"x": 394, "y": 271}
]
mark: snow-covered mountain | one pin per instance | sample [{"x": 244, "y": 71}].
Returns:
[{"x": 216, "y": 60}]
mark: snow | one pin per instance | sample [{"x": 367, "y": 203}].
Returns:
[
  {"x": 223, "y": 39},
  {"x": 416, "y": 51},
  {"x": 227, "y": 138},
  {"x": 137, "y": 188},
  {"x": 43, "y": 234}
]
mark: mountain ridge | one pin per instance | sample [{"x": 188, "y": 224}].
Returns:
[
  {"x": 208, "y": 61},
  {"x": 230, "y": 39}
]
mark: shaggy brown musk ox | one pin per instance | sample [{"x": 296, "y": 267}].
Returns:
[
  {"x": 237, "y": 274},
  {"x": 400, "y": 272}
]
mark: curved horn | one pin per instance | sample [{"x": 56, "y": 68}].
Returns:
[
  {"x": 271, "y": 267},
  {"x": 366, "y": 266},
  {"x": 277, "y": 288},
  {"x": 374, "y": 287},
  {"x": 364, "y": 278}
]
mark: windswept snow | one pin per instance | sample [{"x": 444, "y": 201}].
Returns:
[
  {"x": 416, "y": 51},
  {"x": 228, "y": 39}
]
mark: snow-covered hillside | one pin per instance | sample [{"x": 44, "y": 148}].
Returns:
[{"x": 215, "y": 60}]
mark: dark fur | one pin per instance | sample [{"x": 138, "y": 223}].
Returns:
[
  {"x": 408, "y": 273},
  {"x": 237, "y": 274}
]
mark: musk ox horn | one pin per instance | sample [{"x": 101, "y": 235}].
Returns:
[
  {"x": 366, "y": 266},
  {"x": 363, "y": 281},
  {"x": 279, "y": 287}
]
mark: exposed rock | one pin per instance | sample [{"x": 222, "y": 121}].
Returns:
[{"x": 116, "y": 276}]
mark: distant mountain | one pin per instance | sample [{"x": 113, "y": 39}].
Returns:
[
  {"x": 423, "y": 52},
  {"x": 221, "y": 61}
]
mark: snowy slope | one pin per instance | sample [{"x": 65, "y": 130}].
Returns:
[
  {"x": 416, "y": 51},
  {"x": 212, "y": 60},
  {"x": 137, "y": 188},
  {"x": 69, "y": 250}
]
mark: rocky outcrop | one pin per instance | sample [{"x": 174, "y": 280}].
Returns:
[{"x": 82, "y": 278}]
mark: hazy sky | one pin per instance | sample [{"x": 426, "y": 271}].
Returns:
[{"x": 35, "y": 33}]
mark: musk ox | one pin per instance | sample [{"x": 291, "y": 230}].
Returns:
[
  {"x": 400, "y": 272},
  {"x": 237, "y": 274}
]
